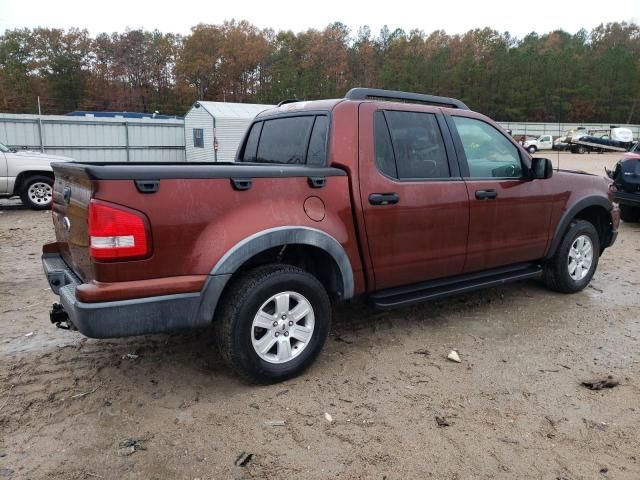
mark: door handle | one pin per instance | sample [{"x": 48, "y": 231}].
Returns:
[
  {"x": 486, "y": 194},
  {"x": 383, "y": 198}
]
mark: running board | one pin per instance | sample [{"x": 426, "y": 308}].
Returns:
[{"x": 435, "y": 289}]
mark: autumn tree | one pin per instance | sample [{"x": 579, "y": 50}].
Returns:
[{"x": 556, "y": 76}]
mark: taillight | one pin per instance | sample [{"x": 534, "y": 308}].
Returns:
[{"x": 117, "y": 232}]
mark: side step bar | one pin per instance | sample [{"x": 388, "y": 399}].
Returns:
[{"x": 435, "y": 289}]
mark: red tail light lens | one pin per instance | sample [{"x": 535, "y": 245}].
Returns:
[{"x": 117, "y": 233}]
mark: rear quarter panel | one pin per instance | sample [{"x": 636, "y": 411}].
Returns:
[{"x": 194, "y": 222}]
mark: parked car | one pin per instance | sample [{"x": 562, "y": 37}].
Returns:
[
  {"x": 543, "y": 142},
  {"x": 626, "y": 178},
  {"x": 28, "y": 175},
  {"x": 367, "y": 196}
]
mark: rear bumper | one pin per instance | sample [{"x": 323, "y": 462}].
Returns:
[
  {"x": 138, "y": 316},
  {"x": 625, "y": 198}
]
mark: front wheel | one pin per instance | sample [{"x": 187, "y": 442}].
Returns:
[
  {"x": 574, "y": 263},
  {"x": 532, "y": 149},
  {"x": 37, "y": 192},
  {"x": 273, "y": 322}
]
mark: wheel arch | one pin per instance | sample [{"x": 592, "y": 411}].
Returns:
[
  {"x": 312, "y": 249},
  {"x": 24, "y": 175},
  {"x": 594, "y": 209}
]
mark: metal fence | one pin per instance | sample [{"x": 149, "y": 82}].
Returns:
[
  {"x": 156, "y": 140},
  {"x": 96, "y": 139},
  {"x": 557, "y": 129}
]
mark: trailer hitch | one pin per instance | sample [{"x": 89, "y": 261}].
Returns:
[{"x": 60, "y": 318}]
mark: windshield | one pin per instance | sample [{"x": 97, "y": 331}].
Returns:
[{"x": 4, "y": 148}]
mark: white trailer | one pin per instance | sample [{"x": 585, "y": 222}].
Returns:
[{"x": 213, "y": 130}]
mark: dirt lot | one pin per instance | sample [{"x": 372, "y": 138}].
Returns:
[{"x": 515, "y": 407}]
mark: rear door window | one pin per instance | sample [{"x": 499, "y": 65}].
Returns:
[
  {"x": 409, "y": 145},
  {"x": 385, "y": 160},
  {"x": 418, "y": 145}
]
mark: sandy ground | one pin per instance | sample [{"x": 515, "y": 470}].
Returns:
[{"x": 515, "y": 407}]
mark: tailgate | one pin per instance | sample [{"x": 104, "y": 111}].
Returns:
[{"x": 72, "y": 193}]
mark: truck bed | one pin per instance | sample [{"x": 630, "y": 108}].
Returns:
[{"x": 194, "y": 212}]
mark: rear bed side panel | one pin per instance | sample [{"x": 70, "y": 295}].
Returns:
[{"x": 196, "y": 221}]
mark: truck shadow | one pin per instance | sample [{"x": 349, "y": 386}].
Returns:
[
  {"x": 355, "y": 328},
  {"x": 179, "y": 370},
  {"x": 187, "y": 365}
]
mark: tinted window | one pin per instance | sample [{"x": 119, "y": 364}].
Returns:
[
  {"x": 384, "y": 152},
  {"x": 489, "y": 153},
  {"x": 251, "y": 146},
  {"x": 317, "y": 154},
  {"x": 284, "y": 140},
  {"x": 417, "y": 145}
]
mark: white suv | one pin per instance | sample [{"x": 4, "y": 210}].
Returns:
[{"x": 28, "y": 175}]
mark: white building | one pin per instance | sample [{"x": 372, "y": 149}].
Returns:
[{"x": 213, "y": 130}]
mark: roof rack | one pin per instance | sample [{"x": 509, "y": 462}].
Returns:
[
  {"x": 290, "y": 100},
  {"x": 391, "y": 95}
]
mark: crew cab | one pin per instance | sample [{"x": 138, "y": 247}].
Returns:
[
  {"x": 392, "y": 196},
  {"x": 27, "y": 175}
]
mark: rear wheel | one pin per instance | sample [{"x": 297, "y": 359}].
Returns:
[
  {"x": 273, "y": 322},
  {"x": 630, "y": 214},
  {"x": 37, "y": 192},
  {"x": 581, "y": 149},
  {"x": 574, "y": 263}
]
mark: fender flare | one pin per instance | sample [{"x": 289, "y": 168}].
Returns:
[
  {"x": 16, "y": 183},
  {"x": 259, "y": 242},
  {"x": 570, "y": 214}
]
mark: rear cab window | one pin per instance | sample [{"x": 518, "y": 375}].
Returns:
[{"x": 293, "y": 140}]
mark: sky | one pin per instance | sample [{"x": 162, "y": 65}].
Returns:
[{"x": 453, "y": 16}]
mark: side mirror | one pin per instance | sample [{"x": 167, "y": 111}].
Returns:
[{"x": 541, "y": 168}]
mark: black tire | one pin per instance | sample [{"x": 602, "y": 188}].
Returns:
[
  {"x": 630, "y": 214},
  {"x": 556, "y": 272},
  {"x": 241, "y": 303},
  {"x": 581, "y": 149},
  {"x": 532, "y": 149},
  {"x": 36, "y": 202}
]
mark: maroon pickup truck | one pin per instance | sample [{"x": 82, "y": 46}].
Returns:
[{"x": 393, "y": 196}]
